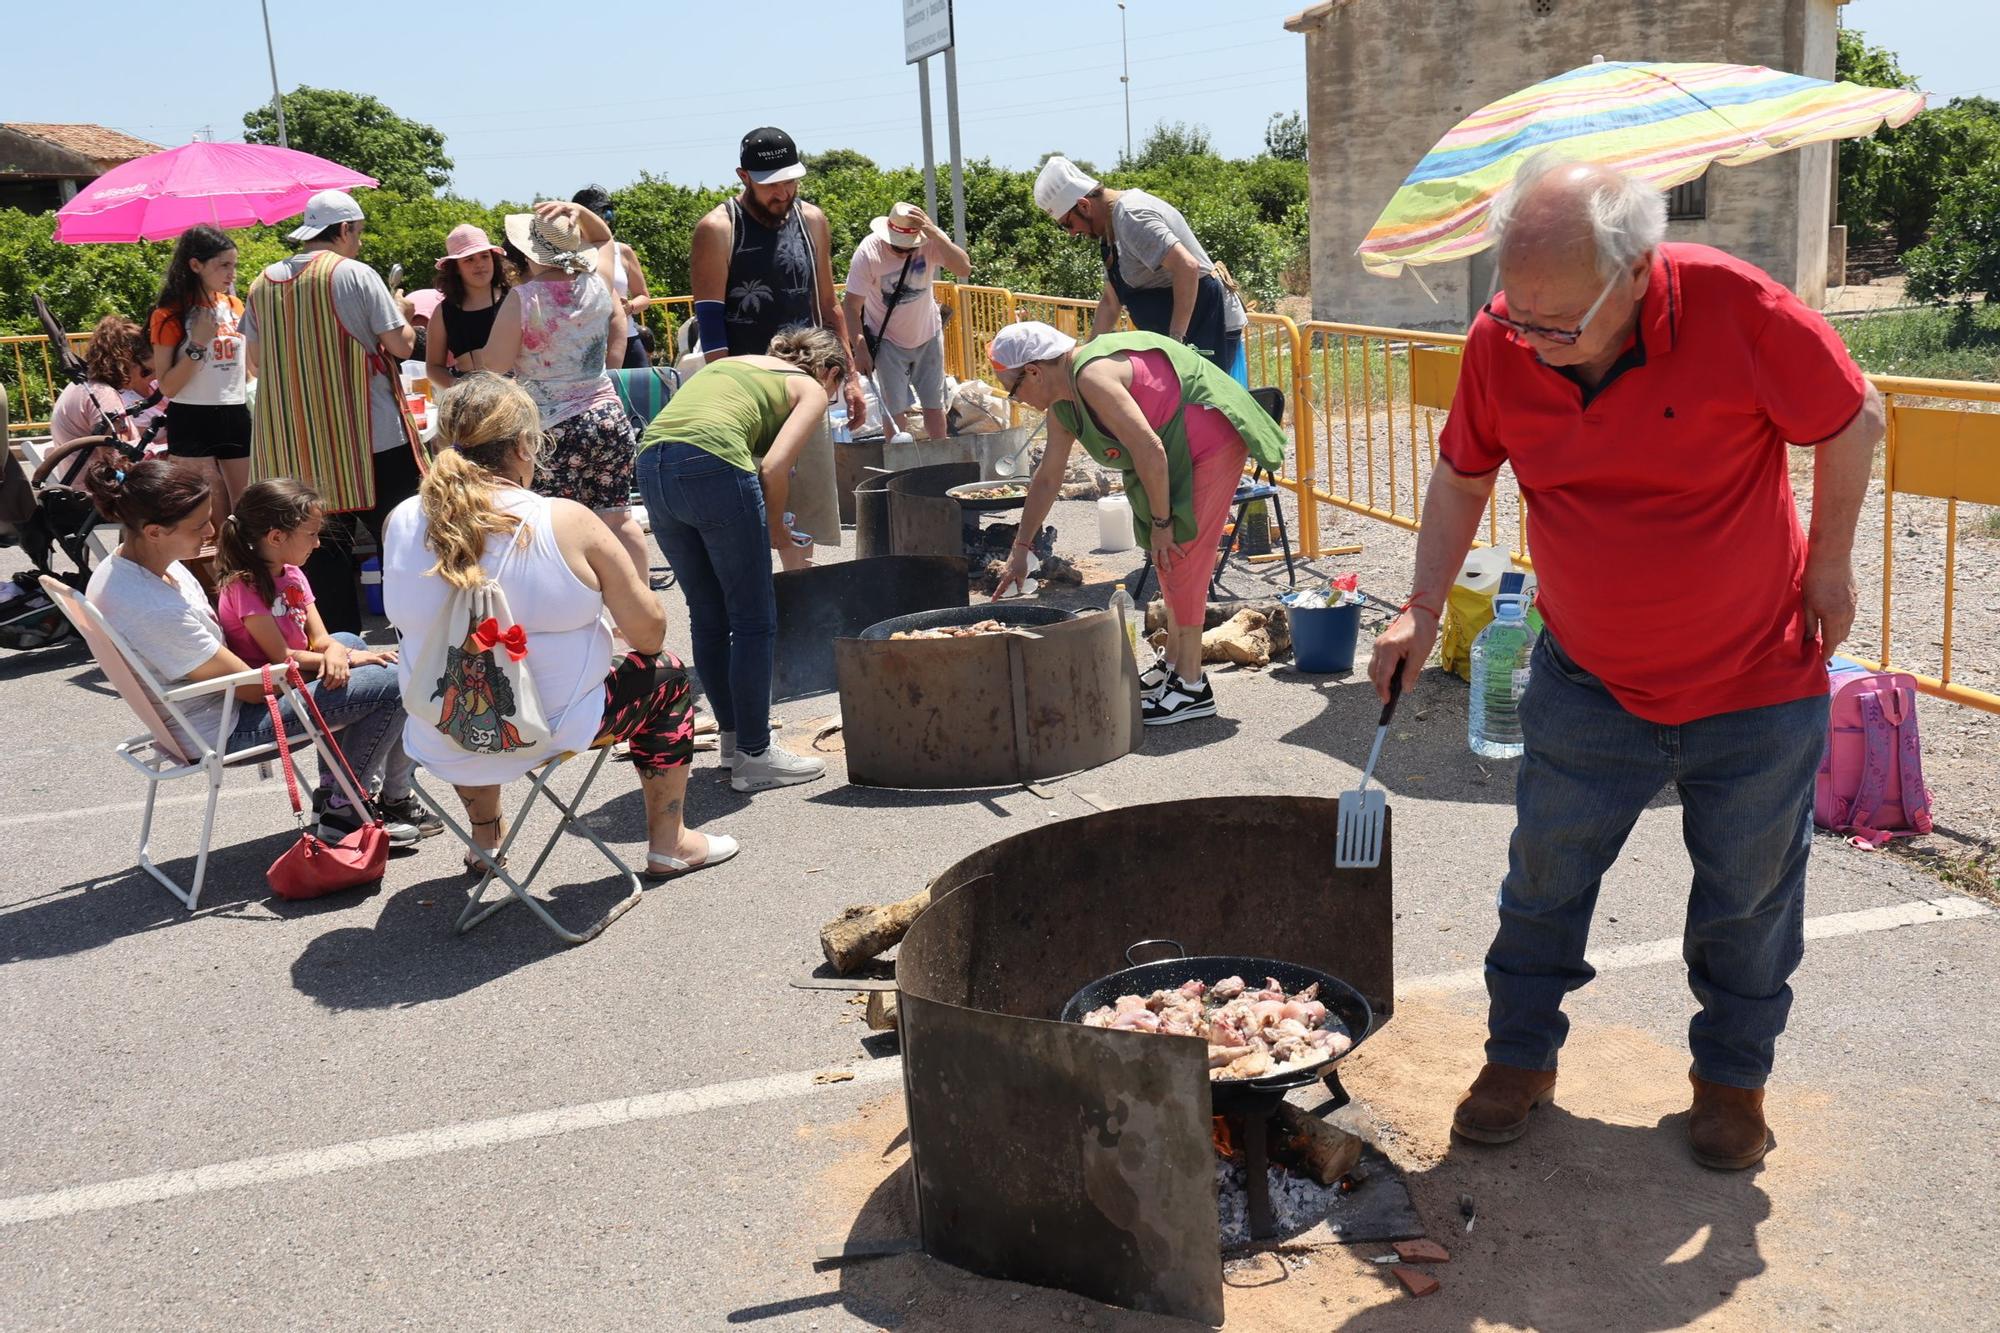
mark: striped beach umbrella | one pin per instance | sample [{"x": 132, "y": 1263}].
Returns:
[{"x": 1663, "y": 123}]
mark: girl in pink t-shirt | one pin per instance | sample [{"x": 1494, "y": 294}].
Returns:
[{"x": 266, "y": 606}]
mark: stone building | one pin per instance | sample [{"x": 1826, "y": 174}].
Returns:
[
  {"x": 1386, "y": 78},
  {"x": 43, "y": 166}
]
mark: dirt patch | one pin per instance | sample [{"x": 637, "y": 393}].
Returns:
[{"x": 1596, "y": 1220}]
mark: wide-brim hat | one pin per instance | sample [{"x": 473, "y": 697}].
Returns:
[
  {"x": 901, "y": 228},
  {"x": 465, "y": 241},
  {"x": 550, "y": 241}
]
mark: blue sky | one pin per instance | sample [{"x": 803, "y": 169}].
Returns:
[{"x": 538, "y": 98}]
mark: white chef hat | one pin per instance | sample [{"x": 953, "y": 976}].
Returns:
[
  {"x": 1060, "y": 186},
  {"x": 1017, "y": 345}
]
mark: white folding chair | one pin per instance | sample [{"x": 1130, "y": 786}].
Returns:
[
  {"x": 568, "y": 819},
  {"x": 157, "y": 754}
]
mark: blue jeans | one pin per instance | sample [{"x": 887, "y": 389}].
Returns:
[
  {"x": 1746, "y": 787},
  {"x": 708, "y": 517},
  {"x": 368, "y": 711}
]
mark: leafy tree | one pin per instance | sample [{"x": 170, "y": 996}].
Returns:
[
  {"x": 1285, "y": 136},
  {"x": 837, "y": 159},
  {"x": 359, "y": 132},
  {"x": 1169, "y": 142},
  {"x": 1962, "y": 256}
]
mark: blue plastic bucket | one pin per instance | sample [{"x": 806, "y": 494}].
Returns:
[{"x": 1323, "y": 638}]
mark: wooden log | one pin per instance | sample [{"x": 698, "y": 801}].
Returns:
[
  {"x": 882, "y": 1011},
  {"x": 1327, "y": 1152},
  {"x": 859, "y": 933}
]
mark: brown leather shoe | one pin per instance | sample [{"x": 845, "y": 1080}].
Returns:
[
  {"x": 1495, "y": 1108},
  {"x": 1726, "y": 1129}
]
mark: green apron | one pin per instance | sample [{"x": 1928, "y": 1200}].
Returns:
[{"x": 1201, "y": 384}]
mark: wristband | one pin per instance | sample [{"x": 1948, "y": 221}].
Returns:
[
  {"x": 708, "y": 318},
  {"x": 1163, "y": 522},
  {"x": 1414, "y": 605},
  {"x": 1024, "y": 546}
]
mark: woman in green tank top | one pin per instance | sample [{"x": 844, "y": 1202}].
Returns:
[
  {"x": 1180, "y": 431},
  {"x": 715, "y": 469}
]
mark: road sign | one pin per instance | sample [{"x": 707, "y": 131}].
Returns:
[{"x": 926, "y": 29}]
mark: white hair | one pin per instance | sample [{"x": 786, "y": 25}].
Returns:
[{"x": 1627, "y": 217}]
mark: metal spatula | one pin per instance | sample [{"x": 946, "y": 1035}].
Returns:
[{"x": 1358, "y": 842}]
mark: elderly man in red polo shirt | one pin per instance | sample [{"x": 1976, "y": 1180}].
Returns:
[{"x": 1646, "y": 395}]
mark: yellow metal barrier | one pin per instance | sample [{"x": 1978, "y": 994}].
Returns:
[{"x": 1366, "y": 404}]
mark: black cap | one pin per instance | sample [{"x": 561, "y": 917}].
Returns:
[{"x": 770, "y": 156}]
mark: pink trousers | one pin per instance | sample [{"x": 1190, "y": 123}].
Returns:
[{"x": 1216, "y": 476}]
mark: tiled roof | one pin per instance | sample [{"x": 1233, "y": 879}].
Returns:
[{"x": 106, "y": 147}]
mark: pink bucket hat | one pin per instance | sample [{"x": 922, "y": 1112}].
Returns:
[{"x": 466, "y": 239}]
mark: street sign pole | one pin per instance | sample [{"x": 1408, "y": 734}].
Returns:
[
  {"x": 927, "y": 31},
  {"x": 951, "y": 131},
  {"x": 930, "y": 146}
]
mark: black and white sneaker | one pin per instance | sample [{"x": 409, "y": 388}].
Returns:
[
  {"x": 341, "y": 820},
  {"x": 409, "y": 810},
  {"x": 1153, "y": 679},
  {"x": 1178, "y": 701}
]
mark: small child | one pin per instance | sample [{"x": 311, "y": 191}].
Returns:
[{"x": 266, "y": 606}]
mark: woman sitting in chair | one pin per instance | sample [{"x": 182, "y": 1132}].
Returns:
[
  {"x": 1180, "y": 431},
  {"x": 147, "y": 595},
  {"x": 474, "y": 520}
]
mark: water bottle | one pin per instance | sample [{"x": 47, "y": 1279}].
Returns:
[
  {"x": 1122, "y": 606},
  {"x": 837, "y": 414},
  {"x": 1500, "y": 657}
]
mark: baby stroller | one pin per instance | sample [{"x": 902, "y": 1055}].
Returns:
[{"x": 49, "y": 513}]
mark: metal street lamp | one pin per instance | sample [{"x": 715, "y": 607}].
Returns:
[
  {"x": 278, "y": 98},
  {"x": 1126, "y": 59}
]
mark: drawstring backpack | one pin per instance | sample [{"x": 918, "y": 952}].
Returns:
[{"x": 472, "y": 683}]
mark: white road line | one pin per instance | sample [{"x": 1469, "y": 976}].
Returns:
[
  {"x": 1893, "y": 917},
  {"x": 117, "y": 807},
  {"x": 161, "y": 1185}
]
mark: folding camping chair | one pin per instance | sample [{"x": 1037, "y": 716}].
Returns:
[
  {"x": 495, "y": 861},
  {"x": 1261, "y": 484},
  {"x": 158, "y": 755}
]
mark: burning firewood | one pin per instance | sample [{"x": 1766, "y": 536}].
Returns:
[
  {"x": 1324, "y": 1152},
  {"x": 860, "y": 933}
]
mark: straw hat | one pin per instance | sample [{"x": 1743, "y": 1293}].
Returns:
[
  {"x": 550, "y": 241},
  {"x": 902, "y": 229}
]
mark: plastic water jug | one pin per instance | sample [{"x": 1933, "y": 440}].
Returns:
[
  {"x": 1500, "y": 657},
  {"x": 837, "y": 417},
  {"x": 1114, "y": 524}
]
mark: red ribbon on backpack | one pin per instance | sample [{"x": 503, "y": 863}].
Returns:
[{"x": 487, "y": 633}]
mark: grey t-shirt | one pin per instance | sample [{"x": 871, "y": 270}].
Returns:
[
  {"x": 366, "y": 310},
  {"x": 168, "y": 626},
  {"x": 1145, "y": 227}
]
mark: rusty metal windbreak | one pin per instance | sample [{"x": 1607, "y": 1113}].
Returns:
[
  {"x": 990, "y": 710},
  {"x": 908, "y": 512},
  {"x": 821, "y": 603},
  {"x": 1081, "y": 1158}
]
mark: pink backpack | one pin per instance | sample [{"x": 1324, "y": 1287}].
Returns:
[{"x": 1871, "y": 779}]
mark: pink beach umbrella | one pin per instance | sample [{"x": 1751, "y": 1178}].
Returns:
[{"x": 225, "y": 185}]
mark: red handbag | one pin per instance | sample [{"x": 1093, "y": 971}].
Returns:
[{"x": 313, "y": 867}]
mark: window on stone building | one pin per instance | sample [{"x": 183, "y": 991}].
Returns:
[{"x": 1688, "y": 203}]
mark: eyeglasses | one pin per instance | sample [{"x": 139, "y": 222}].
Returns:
[
  {"x": 1561, "y": 337},
  {"x": 1070, "y": 222},
  {"x": 1013, "y": 387}
]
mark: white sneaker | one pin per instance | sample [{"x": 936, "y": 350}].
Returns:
[
  {"x": 774, "y": 768},
  {"x": 1154, "y": 678}
]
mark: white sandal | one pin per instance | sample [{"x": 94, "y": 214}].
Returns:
[{"x": 720, "y": 848}]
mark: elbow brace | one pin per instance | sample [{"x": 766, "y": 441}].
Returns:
[{"x": 714, "y": 329}]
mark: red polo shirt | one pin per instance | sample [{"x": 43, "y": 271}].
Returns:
[{"x": 1660, "y": 513}]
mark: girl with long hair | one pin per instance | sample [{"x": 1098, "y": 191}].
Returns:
[
  {"x": 473, "y": 285},
  {"x": 567, "y": 583},
  {"x": 266, "y": 605},
  {"x": 715, "y": 469},
  {"x": 147, "y": 594},
  {"x": 199, "y": 362}
]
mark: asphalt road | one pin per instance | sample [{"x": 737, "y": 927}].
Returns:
[{"x": 341, "y": 1115}]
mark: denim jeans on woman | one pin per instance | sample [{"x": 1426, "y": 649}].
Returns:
[
  {"x": 367, "y": 711},
  {"x": 708, "y": 517},
  {"x": 1745, "y": 781}
]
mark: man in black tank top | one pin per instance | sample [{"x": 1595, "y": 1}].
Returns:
[{"x": 764, "y": 256}]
